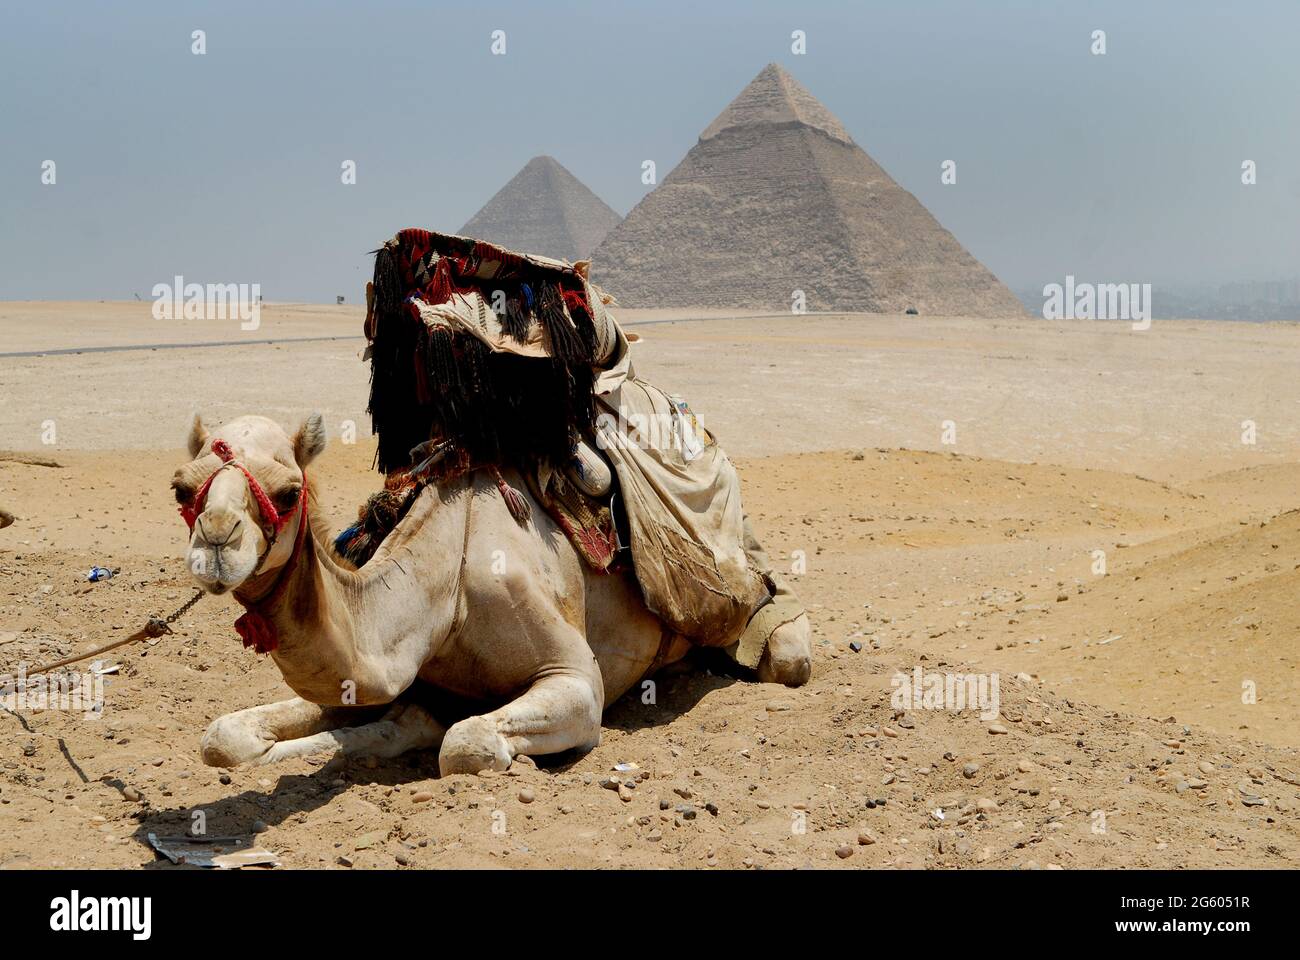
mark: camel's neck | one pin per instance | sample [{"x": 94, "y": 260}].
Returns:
[{"x": 362, "y": 636}]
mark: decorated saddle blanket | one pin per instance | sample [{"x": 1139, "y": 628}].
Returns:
[
  {"x": 586, "y": 519},
  {"x": 491, "y": 351}
]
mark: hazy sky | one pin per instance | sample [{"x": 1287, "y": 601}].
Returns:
[{"x": 226, "y": 167}]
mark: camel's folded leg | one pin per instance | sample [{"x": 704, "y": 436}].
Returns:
[
  {"x": 253, "y": 735},
  {"x": 783, "y": 624},
  {"x": 246, "y": 735},
  {"x": 405, "y": 727},
  {"x": 559, "y": 712}
]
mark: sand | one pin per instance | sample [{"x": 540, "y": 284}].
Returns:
[{"x": 1127, "y": 740}]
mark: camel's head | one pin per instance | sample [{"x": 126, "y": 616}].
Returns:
[{"x": 244, "y": 523}]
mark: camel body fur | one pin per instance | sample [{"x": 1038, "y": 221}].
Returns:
[{"x": 460, "y": 597}]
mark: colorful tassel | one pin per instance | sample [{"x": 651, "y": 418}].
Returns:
[
  {"x": 257, "y": 632},
  {"x": 516, "y": 502}
]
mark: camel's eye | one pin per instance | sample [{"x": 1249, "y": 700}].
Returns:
[
  {"x": 184, "y": 492},
  {"x": 287, "y": 498}
]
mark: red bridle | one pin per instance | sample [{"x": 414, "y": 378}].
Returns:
[
  {"x": 254, "y": 627},
  {"x": 270, "y": 516}
]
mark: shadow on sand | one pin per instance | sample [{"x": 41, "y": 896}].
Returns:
[{"x": 677, "y": 689}]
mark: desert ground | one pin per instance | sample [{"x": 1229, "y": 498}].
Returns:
[{"x": 943, "y": 492}]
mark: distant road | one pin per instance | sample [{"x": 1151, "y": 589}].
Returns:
[
  {"x": 65, "y": 351},
  {"x": 171, "y": 346}
]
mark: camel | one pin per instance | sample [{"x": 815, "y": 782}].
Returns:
[{"x": 460, "y": 598}]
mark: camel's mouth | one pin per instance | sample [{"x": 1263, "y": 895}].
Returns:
[{"x": 222, "y": 563}]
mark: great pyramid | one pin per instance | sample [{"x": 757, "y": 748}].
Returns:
[
  {"x": 544, "y": 209},
  {"x": 776, "y": 197}
]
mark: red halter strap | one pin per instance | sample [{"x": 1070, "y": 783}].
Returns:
[
  {"x": 270, "y": 516},
  {"x": 255, "y": 628}
]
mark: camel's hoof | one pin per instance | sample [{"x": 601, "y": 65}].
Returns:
[
  {"x": 788, "y": 657},
  {"x": 229, "y": 743},
  {"x": 472, "y": 746}
]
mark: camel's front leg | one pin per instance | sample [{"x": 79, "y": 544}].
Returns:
[
  {"x": 405, "y": 727},
  {"x": 247, "y": 735},
  {"x": 298, "y": 728},
  {"x": 558, "y": 712}
]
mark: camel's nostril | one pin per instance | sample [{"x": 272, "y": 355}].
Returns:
[{"x": 220, "y": 528}]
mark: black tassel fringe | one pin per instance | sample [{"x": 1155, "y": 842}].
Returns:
[{"x": 496, "y": 408}]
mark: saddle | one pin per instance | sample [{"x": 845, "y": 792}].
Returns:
[
  {"x": 580, "y": 498},
  {"x": 486, "y": 359}
]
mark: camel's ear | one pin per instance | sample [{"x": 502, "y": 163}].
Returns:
[
  {"x": 198, "y": 436},
  {"x": 309, "y": 441}
]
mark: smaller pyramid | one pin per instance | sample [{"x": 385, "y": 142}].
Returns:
[{"x": 544, "y": 210}]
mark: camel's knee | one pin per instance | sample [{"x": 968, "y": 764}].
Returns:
[
  {"x": 472, "y": 746},
  {"x": 232, "y": 740},
  {"x": 574, "y": 702},
  {"x": 788, "y": 657},
  {"x": 561, "y": 712}
]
